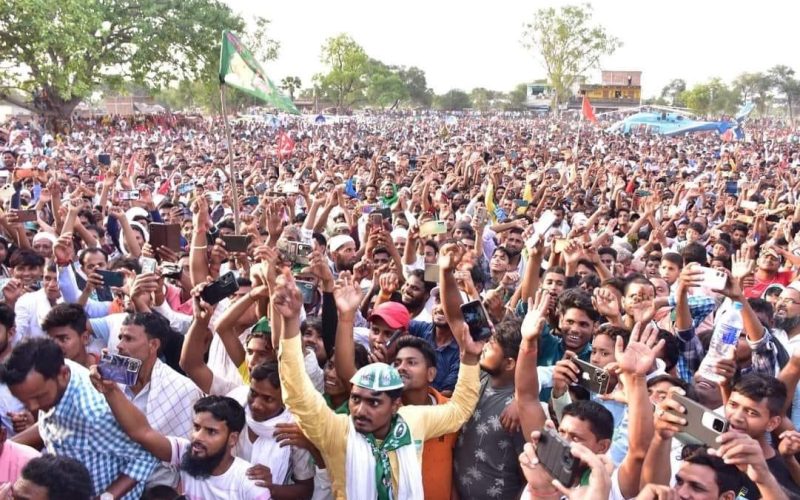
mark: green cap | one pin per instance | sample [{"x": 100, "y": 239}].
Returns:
[
  {"x": 262, "y": 326},
  {"x": 378, "y": 377}
]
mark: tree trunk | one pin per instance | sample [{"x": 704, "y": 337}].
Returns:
[{"x": 55, "y": 111}]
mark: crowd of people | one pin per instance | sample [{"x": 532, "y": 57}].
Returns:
[{"x": 398, "y": 307}]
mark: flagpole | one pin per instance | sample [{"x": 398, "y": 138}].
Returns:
[{"x": 234, "y": 187}]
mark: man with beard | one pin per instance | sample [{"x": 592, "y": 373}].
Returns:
[
  {"x": 208, "y": 469},
  {"x": 342, "y": 253},
  {"x": 786, "y": 320},
  {"x": 415, "y": 293},
  {"x": 74, "y": 421}
]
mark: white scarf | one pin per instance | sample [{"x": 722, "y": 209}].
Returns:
[
  {"x": 360, "y": 469},
  {"x": 266, "y": 450}
]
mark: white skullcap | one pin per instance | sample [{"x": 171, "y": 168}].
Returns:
[
  {"x": 339, "y": 241},
  {"x": 44, "y": 236}
]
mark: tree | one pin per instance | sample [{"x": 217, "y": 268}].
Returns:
[
  {"x": 672, "y": 90},
  {"x": 518, "y": 97},
  {"x": 711, "y": 98},
  {"x": 384, "y": 85},
  {"x": 290, "y": 84},
  {"x": 783, "y": 81},
  {"x": 347, "y": 70},
  {"x": 416, "y": 85},
  {"x": 567, "y": 44},
  {"x": 60, "y": 52},
  {"x": 754, "y": 87},
  {"x": 453, "y": 100},
  {"x": 481, "y": 98}
]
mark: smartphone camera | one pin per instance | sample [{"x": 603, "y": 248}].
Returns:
[{"x": 718, "y": 425}]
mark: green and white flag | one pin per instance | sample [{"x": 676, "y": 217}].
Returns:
[{"x": 239, "y": 69}]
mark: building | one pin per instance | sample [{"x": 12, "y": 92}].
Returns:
[{"x": 618, "y": 89}]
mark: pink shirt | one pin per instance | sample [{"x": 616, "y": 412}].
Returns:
[
  {"x": 173, "y": 298},
  {"x": 13, "y": 458}
]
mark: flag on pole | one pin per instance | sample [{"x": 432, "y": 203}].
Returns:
[
  {"x": 588, "y": 111},
  {"x": 239, "y": 69},
  {"x": 285, "y": 145}
]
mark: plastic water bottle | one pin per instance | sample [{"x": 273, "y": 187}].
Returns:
[{"x": 723, "y": 342}]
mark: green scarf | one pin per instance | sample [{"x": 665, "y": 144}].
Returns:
[
  {"x": 398, "y": 436},
  {"x": 344, "y": 409}
]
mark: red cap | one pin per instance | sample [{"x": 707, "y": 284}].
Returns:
[{"x": 394, "y": 314}]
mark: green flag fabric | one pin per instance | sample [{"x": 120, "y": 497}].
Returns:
[{"x": 239, "y": 69}]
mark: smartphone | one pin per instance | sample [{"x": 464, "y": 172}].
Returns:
[
  {"x": 6, "y": 192},
  {"x": 703, "y": 426},
  {"x": 432, "y": 227},
  {"x": 431, "y": 273},
  {"x": 714, "y": 279},
  {"x": 376, "y": 220},
  {"x": 165, "y": 235},
  {"x": 128, "y": 195},
  {"x": 26, "y": 215},
  {"x": 592, "y": 377},
  {"x": 481, "y": 216},
  {"x": 396, "y": 335},
  {"x": 111, "y": 278},
  {"x": 749, "y": 205},
  {"x": 171, "y": 270},
  {"x": 744, "y": 219},
  {"x": 104, "y": 159},
  {"x": 555, "y": 455},
  {"x": 306, "y": 290},
  {"x": 480, "y": 328},
  {"x": 642, "y": 193},
  {"x": 540, "y": 227},
  {"x": 215, "y": 196},
  {"x": 221, "y": 288},
  {"x": 521, "y": 203},
  {"x": 236, "y": 242},
  {"x": 560, "y": 244},
  {"x": 149, "y": 265},
  {"x": 120, "y": 369},
  {"x": 732, "y": 187},
  {"x": 250, "y": 200},
  {"x": 185, "y": 188},
  {"x": 297, "y": 251}
]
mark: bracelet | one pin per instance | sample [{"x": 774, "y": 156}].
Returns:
[{"x": 198, "y": 247}]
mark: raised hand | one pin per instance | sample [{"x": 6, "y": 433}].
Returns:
[
  {"x": 389, "y": 283},
  {"x": 347, "y": 294},
  {"x": 606, "y": 303},
  {"x": 286, "y": 298},
  {"x": 450, "y": 256},
  {"x": 640, "y": 354},
  {"x": 64, "y": 250},
  {"x": 536, "y": 317},
  {"x": 742, "y": 265}
]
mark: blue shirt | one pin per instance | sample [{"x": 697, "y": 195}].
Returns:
[
  {"x": 82, "y": 426},
  {"x": 448, "y": 357}
]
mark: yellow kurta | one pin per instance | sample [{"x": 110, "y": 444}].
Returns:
[{"x": 328, "y": 431}]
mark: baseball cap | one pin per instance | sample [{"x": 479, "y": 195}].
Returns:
[
  {"x": 378, "y": 377},
  {"x": 394, "y": 314}
]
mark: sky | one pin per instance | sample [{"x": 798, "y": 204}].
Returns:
[{"x": 470, "y": 44}]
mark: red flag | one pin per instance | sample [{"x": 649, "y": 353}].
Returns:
[
  {"x": 588, "y": 111},
  {"x": 285, "y": 145}
]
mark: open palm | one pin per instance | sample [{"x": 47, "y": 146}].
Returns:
[
  {"x": 347, "y": 294},
  {"x": 640, "y": 354}
]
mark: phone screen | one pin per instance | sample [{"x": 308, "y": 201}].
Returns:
[{"x": 476, "y": 318}]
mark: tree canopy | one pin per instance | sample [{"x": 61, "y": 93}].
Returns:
[
  {"x": 58, "y": 53},
  {"x": 568, "y": 44}
]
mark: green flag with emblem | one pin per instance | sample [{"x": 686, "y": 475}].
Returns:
[{"x": 240, "y": 70}]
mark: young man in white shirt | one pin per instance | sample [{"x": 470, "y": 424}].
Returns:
[{"x": 208, "y": 468}]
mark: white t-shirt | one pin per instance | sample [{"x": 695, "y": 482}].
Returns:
[{"x": 232, "y": 485}]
